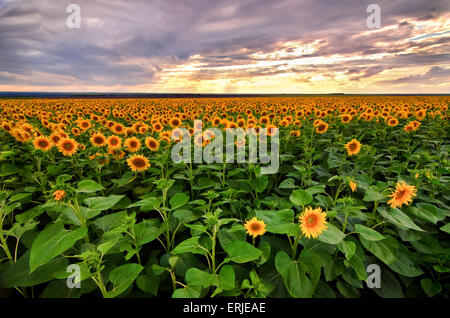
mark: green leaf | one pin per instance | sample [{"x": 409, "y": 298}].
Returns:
[
  {"x": 178, "y": 200},
  {"x": 19, "y": 275},
  {"x": 88, "y": 186},
  {"x": 294, "y": 277},
  {"x": 196, "y": 277},
  {"x": 405, "y": 265},
  {"x": 53, "y": 241},
  {"x": 390, "y": 286},
  {"x": 191, "y": 245},
  {"x": 385, "y": 250},
  {"x": 261, "y": 183},
  {"x": 348, "y": 248},
  {"x": 279, "y": 222},
  {"x": 301, "y": 197},
  {"x": 112, "y": 221},
  {"x": 368, "y": 233},
  {"x": 188, "y": 292},
  {"x": 147, "y": 231},
  {"x": 103, "y": 203},
  {"x": 373, "y": 194},
  {"x": 431, "y": 288},
  {"x": 7, "y": 169},
  {"x": 427, "y": 212},
  {"x": 227, "y": 277},
  {"x": 331, "y": 235},
  {"x": 399, "y": 218},
  {"x": 147, "y": 204},
  {"x": 122, "y": 277},
  {"x": 446, "y": 228},
  {"x": 288, "y": 183},
  {"x": 242, "y": 252}
]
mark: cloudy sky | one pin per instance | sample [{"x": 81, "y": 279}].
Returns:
[{"x": 225, "y": 46}]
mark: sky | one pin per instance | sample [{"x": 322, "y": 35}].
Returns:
[{"x": 225, "y": 46}]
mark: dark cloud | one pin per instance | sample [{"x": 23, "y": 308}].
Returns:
[
  {"x": 433, "y": 75},
  {"x": 128, "y": 42}
]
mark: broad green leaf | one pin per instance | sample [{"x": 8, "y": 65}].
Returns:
[
  {"x": 390, "y": 286},
  {"x": 242, "y": 252},
  {"x": 53, "y": 241},
  {"x": 19, "y": 275},
  {"x": 88, "y": 186},
  {"x": 431, "y": 288},
  {"x": 191, "y": 245},
  {"x": 187, "y": 292},
  {"x": 385, "y": 250},
  {"x": 103, "y": 203},
  {"x": 196, "y": 277},
  {"x": 301, "y": 197},
  {"x": 178, "y": 200},
  {"x": 288, "y": 183},
  {"x": 294, "y": 277},
  {"x": 146, "y": 231},
  {"x": 368, "y": 233},
  {"x": 331, "y": 235},
  {"x": 427, "y": 212},
  {"x": 405, "y": 265},
  {"x": 227, "y": 277},
  {"x": 122, "y": 277},
  {"x": 348, "y": 248},
  {"x": 399, "y": 218},
  {"x": 279, "y": 222},
  {"x": 373, "y": 194},
  {"x": 446, "y": 228}
]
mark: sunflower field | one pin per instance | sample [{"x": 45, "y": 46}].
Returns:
[{"x": 92, "y": 204}]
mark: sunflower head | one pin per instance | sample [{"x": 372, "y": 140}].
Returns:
[
  {"x": 67, "y": 146},
  {"x": 313, "y": 222},
  {"x": 58, "y": 195},
  {"x": 353, "y": 147},
  {"x": 132, "y": 144},
  {"x": 255, "y": 227},
  {"x": 138, "y": 163},
  {"x": 403, "y": 194},
  {"x": 42, "y": 143}
]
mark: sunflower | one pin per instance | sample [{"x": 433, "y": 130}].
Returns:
[
  {"x": 346, "y": 118},
  {"x": 114, "y": 142},
  {"x": 55, "y": 138},
  {"x": 175, "y": 122},
  {"x": 255, "y": 227},
  {"x": 158, "y": 127},
  {"x": 84, "y": 124},
  {"x": 59, "y": 195},
  {"x": 67, "y": 146},
  {"x": 42, "y": 143},
  {"x": 353, "y": 147},
  {"x": 402, "y": 195},
  {"x": 133, "y": 144},
  {"x": 321, "y": 127},
  {"x": 313, "y": 222},
  {"x": 392, "y": 121},
  {"x": 118, "y": 128},
  {"x": 152, "y": 143},
  {"x": 138, "y": 163},
  {"x": 98, "y": 139},
  {"x": 353, "y": 185}
]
